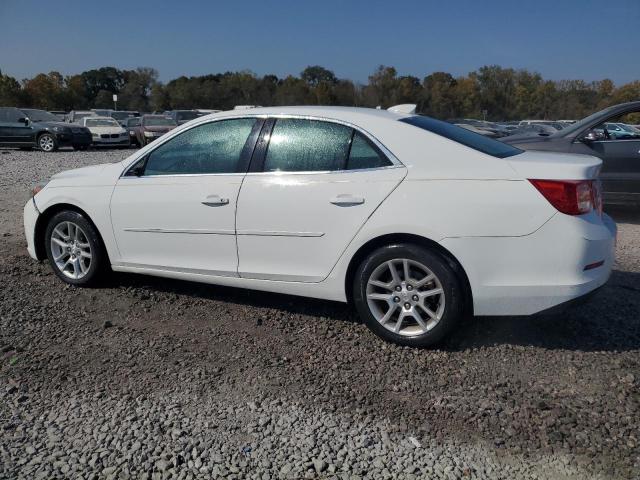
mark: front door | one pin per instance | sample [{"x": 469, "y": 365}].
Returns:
[
  {"x": 13, "y": 131},
  {"x": 318, "y": 184},
  {"x": 176, "y": 210}
]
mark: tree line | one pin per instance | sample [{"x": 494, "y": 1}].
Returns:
[{"x": 491, "y": 92}]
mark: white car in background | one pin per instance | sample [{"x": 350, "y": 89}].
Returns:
[
  {"x": 416, "y": 221},
  {"x": 106, "y": 131}
]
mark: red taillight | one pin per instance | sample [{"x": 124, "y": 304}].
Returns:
[{"x": 573, "y": 197}]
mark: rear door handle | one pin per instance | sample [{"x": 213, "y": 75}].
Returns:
[
  {"x": 215, "y": 201},
  {"x": 346, "y": 200}
]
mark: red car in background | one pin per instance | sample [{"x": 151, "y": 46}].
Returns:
[{"x": 151, "y": 127}]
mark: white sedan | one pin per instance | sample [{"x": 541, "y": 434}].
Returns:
[
  {"x": 415, "y": 221},
  {"x": 106, "y": 131}
]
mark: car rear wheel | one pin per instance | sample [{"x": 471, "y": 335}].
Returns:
[
  {"x": 408, "y": 295},
  {"x": 47, "y": 142},
  {"x": 74, "y": 249}
]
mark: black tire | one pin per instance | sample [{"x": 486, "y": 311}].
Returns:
[
  {"x": 452, "y": 288},
  {"x": 99, "y": 262},
  {"x": 47, "y": 142}
]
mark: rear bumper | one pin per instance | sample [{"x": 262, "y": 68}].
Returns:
[
  {"x": 30, "y": 217},
  {"x": 534, "y": 273}
]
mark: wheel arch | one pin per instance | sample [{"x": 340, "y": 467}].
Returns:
[
  {"x": 43, "y": 221},
  {"x": 397, "y": 238}
]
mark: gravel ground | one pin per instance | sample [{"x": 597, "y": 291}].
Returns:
[{"x": 153, "y": 378}]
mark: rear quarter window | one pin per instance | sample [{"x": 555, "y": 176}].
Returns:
[{"x": 465, "y": 137}]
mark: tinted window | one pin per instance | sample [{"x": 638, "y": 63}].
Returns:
[
  {"x": 364, "y": 155},
  {"x": 299, "y": 145},
  {"x": 40, "y": 115},
  {"x": 210, "y": 148},
  {"x": 186, "y": 116},
  {"x": 157, "y": 121},
  {"x": 133, "y": 122},
  {"x": 10, "y": 115},
  {"x": 463, "y": 136}
]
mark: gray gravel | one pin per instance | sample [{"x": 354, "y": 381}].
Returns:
[{"x": 152, "y": 378}]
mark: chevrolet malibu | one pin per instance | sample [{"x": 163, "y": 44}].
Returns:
[{"x": 417, "y": 222}]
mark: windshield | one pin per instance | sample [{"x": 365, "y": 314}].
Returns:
[
  {"x": 40, "y": 115},
  {"x": 463, "y": 136},
  {"x": 184, "y": 116},
  {"x": 581, "y": 124},
  {"x": 101, "y": 122},
  {"x": 158, "y": 121},
  {"x": 122, "y": 115}
]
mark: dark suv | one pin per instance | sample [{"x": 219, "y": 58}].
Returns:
[{"x": 28, "y": 127}]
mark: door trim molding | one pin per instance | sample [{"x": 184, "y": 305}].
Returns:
[{"x": 196, "y": 231}]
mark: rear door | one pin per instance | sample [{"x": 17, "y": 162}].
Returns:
[{"x": 312, "y": 186}]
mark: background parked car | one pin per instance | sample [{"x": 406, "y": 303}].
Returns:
[
  {"x": 130, "y": 124},
  {"x": 122, "y": 115},
  {"x": 621, "y": 131},
  {"x": 76, "y": 115},
  {"x": 183, "y": 116},
  {"x": 620, "y": 172},
  {"x": 27, "y": 128},
  {"x": 61, "y": 114},
  {"x": 106, "y": 131},
  {"x": 152, "y": 127}
]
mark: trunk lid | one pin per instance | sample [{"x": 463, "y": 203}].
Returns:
[{"x": 555, "y": 166}]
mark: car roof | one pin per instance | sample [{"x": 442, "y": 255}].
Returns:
[{"x": 347, "y": 114}]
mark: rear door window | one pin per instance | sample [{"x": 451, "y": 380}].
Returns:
[{"x": 301, "y": 145}]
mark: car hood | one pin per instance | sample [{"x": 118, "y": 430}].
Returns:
[
  {"x": 525, "y": 138},
  {"x": 159, "y": 128},
  {"x": 90, "y": 171}
]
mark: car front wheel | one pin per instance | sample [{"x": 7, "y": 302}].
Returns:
[
  {"x": 408, "y": 295},
  {"x": 47, "y": 142},
  {"x": 74, "y": 249}
]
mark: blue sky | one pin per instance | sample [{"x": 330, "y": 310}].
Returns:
[{"x": 560, "y": 39}]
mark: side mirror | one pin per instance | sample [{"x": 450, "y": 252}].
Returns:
[
  {"x": 24, "y": 120},
  {"x": 591, "y": 136}
]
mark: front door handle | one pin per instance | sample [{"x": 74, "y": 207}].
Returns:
[
  {"x": 215, "y": 201},
  {"x": 346, "y": 200}
]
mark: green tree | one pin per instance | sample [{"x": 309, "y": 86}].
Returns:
[
  {"x": 45, "y": 91},
  {"x": 10, "y": 91},
  {"x": 315, "y": 75}
]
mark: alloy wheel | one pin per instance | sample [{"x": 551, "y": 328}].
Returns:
[
  {"x": 71, "y": 250},
  {"x": 405, "y": 297},
  {"x": 46, "y": 143}
]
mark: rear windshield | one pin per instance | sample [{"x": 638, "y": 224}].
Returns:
[{"x": 463, "y": 136}]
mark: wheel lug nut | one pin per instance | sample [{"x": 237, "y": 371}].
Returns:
[
  {"x": 415, "y": 298},
  {"x": 398, "y": 288},
  {"x": 396, "y": 299},
  {"x": 407, "y": 306},
  {"x": 409, "y": 287}
]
